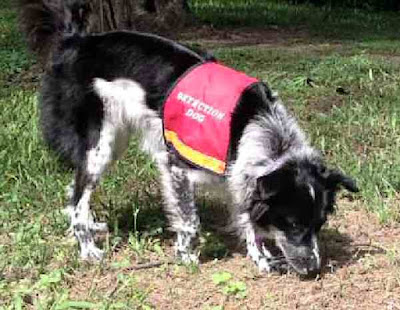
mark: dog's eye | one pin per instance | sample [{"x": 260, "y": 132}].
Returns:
[
  {"x": 295, "y": 227},
  {"x": 292, "y": 223}
]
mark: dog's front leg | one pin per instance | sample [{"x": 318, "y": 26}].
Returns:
[
  {"x": 178, "y": 191},
  {"x": 256, "y": 251}
]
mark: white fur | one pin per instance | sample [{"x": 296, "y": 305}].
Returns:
[
  {"x": 126, "y": 110},
  {"x": 315, "y": 249},
  {"x": 312, "y": 191},
  {"x": 256, "y": 154},
  {"x": 82, "y": 221}
]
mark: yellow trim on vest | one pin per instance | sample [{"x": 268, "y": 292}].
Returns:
[{"x": 194, "y": 156}]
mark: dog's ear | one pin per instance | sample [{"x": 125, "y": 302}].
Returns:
[
  {"x": 265, "y": 189},
  {"x": 335, "y": 178},
  {"x": 270, "y": 184}
]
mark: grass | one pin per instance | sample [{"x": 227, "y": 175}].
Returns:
[
  {"x": 229, "y": 287},
  {"x": 325, "y": 22},
  {"x": 358, "y": 132}
]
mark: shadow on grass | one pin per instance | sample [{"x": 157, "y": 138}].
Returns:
[
  {"x": 216, "y": 241},
  {"x": 150, "y": 221},
  {"x": 219, "y": 240}
]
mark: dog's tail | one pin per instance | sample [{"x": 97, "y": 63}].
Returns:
[{"x": 46, "y": 22}]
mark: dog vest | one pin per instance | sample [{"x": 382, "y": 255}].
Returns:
[{"x": 198, "y": 111}]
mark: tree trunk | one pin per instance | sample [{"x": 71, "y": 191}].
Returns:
[{"x": 158, "y": 16}]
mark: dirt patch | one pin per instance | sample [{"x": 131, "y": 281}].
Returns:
[
  {"x": 325, "y": 105},
  {"x": 209, "y": 36},
  {"x": 360, "y": 271},
  {"x": 387, "y": 57}
]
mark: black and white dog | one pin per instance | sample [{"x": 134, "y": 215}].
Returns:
[{"x": 100, "y": 89}]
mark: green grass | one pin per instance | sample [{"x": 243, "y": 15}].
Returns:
[
  {"x": 13, "y": 57},
  {"x": 359, "y": 133},
  {"x": 336, "y": 23}
]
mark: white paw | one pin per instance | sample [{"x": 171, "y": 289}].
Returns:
[
  {"x": 189, "y": 258},
  {"x": 264, "y": 265},
  {"x": 186, "y": 256},
  {"x": 91, "y": 252}
]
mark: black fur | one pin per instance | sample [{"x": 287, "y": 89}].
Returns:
[
  {"x": 258, "y": 97},
  {"x": 69, "y": 105}
]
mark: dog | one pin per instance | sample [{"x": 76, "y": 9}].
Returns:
[{"x": 99, "y": 89}]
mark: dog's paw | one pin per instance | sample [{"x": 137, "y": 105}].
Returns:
[
  {"x": 264, "y": 266},
  {"x": 91, "y": 252},
  {"x": 187, "y": 257}
]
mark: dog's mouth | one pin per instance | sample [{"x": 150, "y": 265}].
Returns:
[
  {"x": 274, "y": 255},
  {"x": 303, "y": 258},
  {"x": 284, "y": 256}
]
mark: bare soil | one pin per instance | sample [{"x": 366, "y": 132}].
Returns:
[
  {"x": 208, "y": 36},
  {"x": 361, "y": 270}
]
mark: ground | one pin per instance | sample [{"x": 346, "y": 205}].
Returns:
[
  {"x": 360, "y": 271},
  {"x": 342, "y": 84}
]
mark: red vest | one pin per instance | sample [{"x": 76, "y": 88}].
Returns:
[{"x": 198, "y": 112}]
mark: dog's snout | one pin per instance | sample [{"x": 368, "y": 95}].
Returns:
[
  {"x": 307, "y": 266},
  {"x": 304, "y": 259},
  {"x": 311, "y": 274},
  {"x": 312, "y": 266}
]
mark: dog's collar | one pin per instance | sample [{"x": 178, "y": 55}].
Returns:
[{"x": 197, "y": 114}]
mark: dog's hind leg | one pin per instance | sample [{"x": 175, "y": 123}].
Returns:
[
  {"x": 181, "y": 210},
  {"x": 86, "y": 179},
  {"x": 82, "y": 221}
]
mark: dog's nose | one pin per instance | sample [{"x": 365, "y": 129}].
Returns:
[
  {"x": 313, "y": 272},
  {"x": 312, "y": 268}
]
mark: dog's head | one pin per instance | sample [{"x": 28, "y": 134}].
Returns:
[{"x": 291, "y": 204}]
